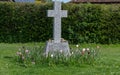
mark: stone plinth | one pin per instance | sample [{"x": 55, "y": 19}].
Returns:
[{"x": 52, "y": 47}]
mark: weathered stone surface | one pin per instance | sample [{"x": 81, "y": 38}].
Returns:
[
  {"x": 57, "y": 44},
  {"x": 57, "y": 47},
  {"x": 57, "y": 13}
]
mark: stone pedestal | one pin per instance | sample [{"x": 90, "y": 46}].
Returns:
[{"x": 52, "y": 47}]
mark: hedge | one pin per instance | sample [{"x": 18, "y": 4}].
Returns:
[{"x": 86, "y": 23}]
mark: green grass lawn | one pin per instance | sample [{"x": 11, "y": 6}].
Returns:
[{"x": 107, "y": 64}]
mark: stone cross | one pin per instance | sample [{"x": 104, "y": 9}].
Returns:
[
  {"x": 57, "y": 13},
  {"x": 57, "y": 45}
]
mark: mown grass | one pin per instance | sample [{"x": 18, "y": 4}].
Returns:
[{"x": 107, "y": 64}]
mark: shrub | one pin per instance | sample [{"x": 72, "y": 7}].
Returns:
[{"x": 86, "y": 23}]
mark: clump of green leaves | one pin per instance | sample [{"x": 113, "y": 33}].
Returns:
[
  {"x": 77, "y": 56},
  {"x": 29, "y": 56},
  {"x": 86, "y": 23}
]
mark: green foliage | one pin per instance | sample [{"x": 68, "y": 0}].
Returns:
[
  {"x": 107, "y": 64},
  {"x": 24, "y": 22},
  {"x": 86, "y": 23},
  {"x": 29, "y": 56},
  {"x": 78, "y": 56}
]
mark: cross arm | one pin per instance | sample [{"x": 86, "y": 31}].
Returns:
[
  {"x": 50, "y": 13},
  {"x": 64, "y": 13}
]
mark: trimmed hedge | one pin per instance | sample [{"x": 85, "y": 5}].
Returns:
[{"x": 86, "y": 23}]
